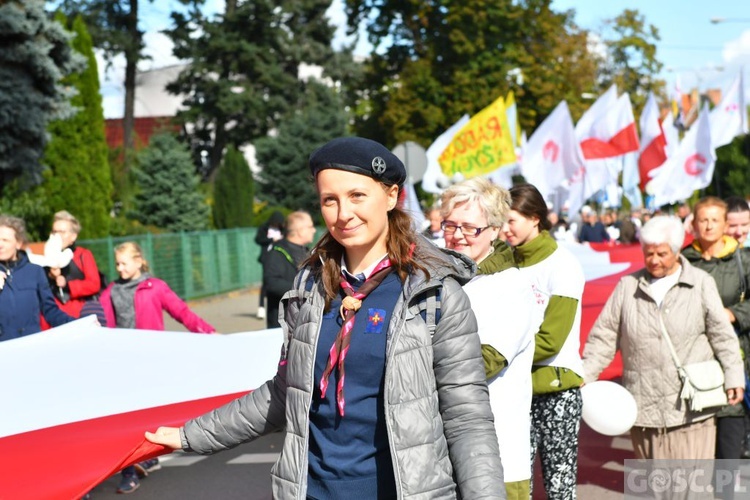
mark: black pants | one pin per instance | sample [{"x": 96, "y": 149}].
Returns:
[
  {"x": 272, "y": 311},
  {"x": 729, "y": 434}
]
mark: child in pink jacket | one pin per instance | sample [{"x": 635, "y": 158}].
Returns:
[{"x": 137, "y": 301}]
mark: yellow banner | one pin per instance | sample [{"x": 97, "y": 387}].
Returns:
[{"x": 483, "y": 145}]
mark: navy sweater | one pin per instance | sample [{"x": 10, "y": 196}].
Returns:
[{"x": 350, "y": 457}]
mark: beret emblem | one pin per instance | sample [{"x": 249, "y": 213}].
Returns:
[{"x": 378, "y": 165}]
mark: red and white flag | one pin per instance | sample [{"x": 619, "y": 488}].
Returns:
[
  {"x": 729, "y": 118},
  {"x": 77, "y": 399},
  {"x": 653, "y": 141},
  {"x": 691, "y": 167},
  {"x": 608, "y": 129},
  {"x": 553, "y": 154}
]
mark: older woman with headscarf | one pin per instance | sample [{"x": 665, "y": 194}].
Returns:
[
  {"x": 728, "y": 263},
  {"x": 685, "y": 298},
  {"x": 474, "y": 212}
]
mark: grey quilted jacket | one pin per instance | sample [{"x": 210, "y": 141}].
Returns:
[
  {"x": 698, "y": 328},
  {"x": 440, "y": 426}
]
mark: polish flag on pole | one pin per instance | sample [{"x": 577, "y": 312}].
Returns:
[
  {"x": 75, "y": 409},
  {"x": 729, "y": 118},
  {"x": 691, "y": 168},
  {"x": 553, "y": 154},
  {"x": 609, "y": 129},
  {"x": 653, "y": 141},
  {"x": 434, "y": 181}
]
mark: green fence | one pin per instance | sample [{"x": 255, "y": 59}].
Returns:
[{"x": 195, "y": 264}]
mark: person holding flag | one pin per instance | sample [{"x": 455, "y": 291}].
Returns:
[{"x": 381, "y": 394}]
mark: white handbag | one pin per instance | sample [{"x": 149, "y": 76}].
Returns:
[{"x": 702, "y": 382}]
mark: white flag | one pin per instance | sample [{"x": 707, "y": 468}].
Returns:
[
  {"x": 691, "y": 168},
  {"x": 671, "y": 134},
  {"x": 729, "y": 118},
  {"x": 411, "y": 205},
  {"x": 631, "y": 180},
  {"x": 434, "y": 173},
  {"x": 553, "y": 154}
]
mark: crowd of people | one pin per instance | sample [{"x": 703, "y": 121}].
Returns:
[{"x": 461, "y": 341}]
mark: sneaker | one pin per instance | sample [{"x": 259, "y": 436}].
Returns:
[
  {"x": 261, "y": 314},
  {"x": 128, "y": 484},
  {"x": 143, "y": 468}
]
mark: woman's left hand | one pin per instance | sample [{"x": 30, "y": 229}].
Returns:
[
  {"x": 730, "y": 315},
  {"x": 735, "y": 395}
]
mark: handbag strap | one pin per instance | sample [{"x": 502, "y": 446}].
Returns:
[
  {"x": 743, "y": 284},
  {"x": 672, "y": 351}
]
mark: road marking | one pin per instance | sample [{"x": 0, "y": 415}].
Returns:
[
  {"x": 255, "y": 458},
  {"x": 180, "y": 461}
]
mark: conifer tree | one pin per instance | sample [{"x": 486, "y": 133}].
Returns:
[
  {"x": 233, "y": 192},
  {"x": 35, "y": 57},
  {"x": 285, "y": 179},
  {"x": 79, "y": 178},
  {"x": 244, "y": 71},
  {"x": 168, "y": 195}
]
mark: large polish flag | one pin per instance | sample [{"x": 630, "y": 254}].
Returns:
[
  {"x": 77, "y": 399},
  {"x": 729, "y": 118},
  {"x": 553, "y": 154},
  {"x": 691, "y": 167},
  {"x": 653, "y": 141},
  {"x": 434, "y": 181},
  {"x": 607, "y": 129}
]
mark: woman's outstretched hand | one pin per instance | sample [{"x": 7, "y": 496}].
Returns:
[{"x": 166, "y": 436}]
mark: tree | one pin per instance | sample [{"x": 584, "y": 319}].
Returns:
[
  {"x": 168, "y": 196},
  {"x": 114, "y": 28},
  {"x": 34, "y": 59},
  {"x": 79, "y": 178},
  {"x": 631, "y": 61},
  {"x": 234, "y": 191},
  {"x": 732, "y": 171},
  {"x": 285, "y": 177},
  {"x": 438, "y": 60},
  {"x": 244, "y": 71}
]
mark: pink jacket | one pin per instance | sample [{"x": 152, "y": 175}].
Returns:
[{"x": 151, "y": 298}]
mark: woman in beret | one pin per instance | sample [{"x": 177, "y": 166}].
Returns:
[{"x": 381, "y": 387}]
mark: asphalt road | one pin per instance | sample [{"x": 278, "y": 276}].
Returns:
[{"x": 240, "y": 473}]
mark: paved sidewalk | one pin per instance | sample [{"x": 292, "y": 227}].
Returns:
[
  {"x": 229, "y": 313},
  {"x": 600, "y": 458}
]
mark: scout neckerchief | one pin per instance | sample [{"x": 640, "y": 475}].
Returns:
[{"x": 349, "y": 307}]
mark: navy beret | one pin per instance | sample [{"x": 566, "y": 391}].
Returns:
[{"x": 360, "y": 156}]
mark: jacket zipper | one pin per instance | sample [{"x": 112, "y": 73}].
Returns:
[
  {"x": 386, "y": 406},
  {"x": 302, "y": 493}
]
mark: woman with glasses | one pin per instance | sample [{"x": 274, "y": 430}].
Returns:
[
  {"x": 557, "y": 372},
  {"x": 383, "y": 403},
  {"x": 24, "y": 292},
  {"x": 502, "y": 300}
]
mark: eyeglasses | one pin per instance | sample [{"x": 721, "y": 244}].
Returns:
[{"x": 449, "y": 227}]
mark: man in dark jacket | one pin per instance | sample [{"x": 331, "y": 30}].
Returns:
[
  {"x": 268, "y": 233},
  {"x": 592, "y": 230},
  {"x": 283, "y": 259}
]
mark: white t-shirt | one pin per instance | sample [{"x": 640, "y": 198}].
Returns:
[
  {"x": 660, "y": 286},
  {"x": 503, "y": 304}
]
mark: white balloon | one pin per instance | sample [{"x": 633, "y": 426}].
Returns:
[{"x": 608, "y": 407}]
